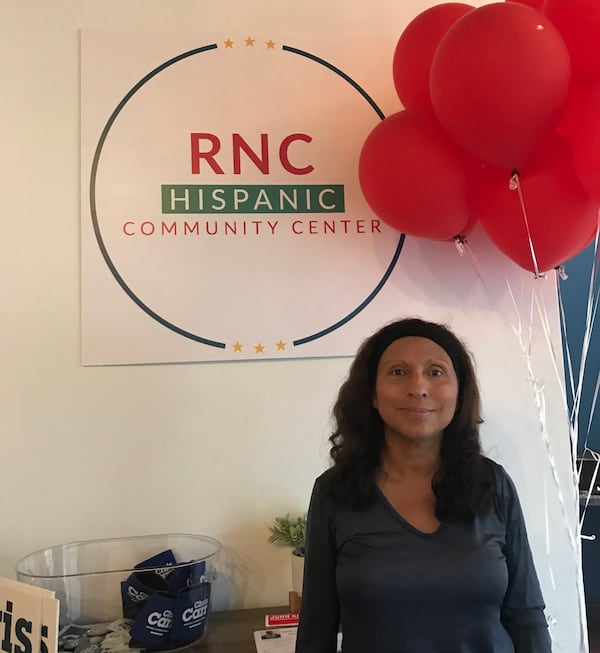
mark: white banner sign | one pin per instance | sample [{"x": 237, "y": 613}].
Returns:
[{"x": 221, "y": 196}]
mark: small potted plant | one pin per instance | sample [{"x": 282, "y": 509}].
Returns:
[{"x": 291, "y": 532}]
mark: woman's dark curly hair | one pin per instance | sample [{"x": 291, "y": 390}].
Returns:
[{"x": 463, "y": 484}]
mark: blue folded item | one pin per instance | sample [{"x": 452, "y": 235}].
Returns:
[
  {"x": 137, "y": 589},
  {"x": 197, "y": 573},
  {"x": 191, "y": 612},
  {"x": 152, "y": 626},
  {"x": 167, "y": 601},
  {"x": 186, "y": 575},
  {"x": 161, "y": 563}
]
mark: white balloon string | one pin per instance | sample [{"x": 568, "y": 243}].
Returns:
[
  {"x": 543, "y": 315},
  {"x": 591, "y": 455},
  {"x": 539, "y": 400},
  {"x": 577, "y": 390},
  {"x": 547, "y": 531},
  {"x": 573, "y": 432},
  {"x": 563, "y": 325},
  {"x": 594, "y": 312},
  {"x": 593, "y": 408},
  {"x": 574, "y": 537},
  {"x": 595, "y": 397},
  {"x": 573, "y": 425},
  {"x": 592, "y": 282},
  {"x": 476, "y": 266},
  {"x": 591, "y": 310},
  {"x": 587, "y": 455},
  {"x": 515, "y": 184}
]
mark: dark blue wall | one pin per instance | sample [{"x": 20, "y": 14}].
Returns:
[{"x": 575, "y": 292}]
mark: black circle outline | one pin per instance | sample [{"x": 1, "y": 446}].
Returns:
[{"x": 102, "y": 246}]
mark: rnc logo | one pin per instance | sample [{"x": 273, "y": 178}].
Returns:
[{"x": 243, "y": 234}]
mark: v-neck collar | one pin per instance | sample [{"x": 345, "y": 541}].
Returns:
[{"x": 405, "y": 522}]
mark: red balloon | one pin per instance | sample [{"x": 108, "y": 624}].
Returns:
[
  {"x": 415, "y": 49},
  {"x": 579, "y": 23},
  {"x": 574, "y": 110},
  {"x": 468, "y": 228},
  {"x": 499, "y": 81},
  {"x": 560, "y": 214},
  {"x": 592, "y": 238},
  {"x": 534, "y": 4},
  {"x": 585, "y": 141},
  {"x": 415, "y": 178}
]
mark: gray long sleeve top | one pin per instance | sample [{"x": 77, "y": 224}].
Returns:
[{"x": 466, "y": 588}]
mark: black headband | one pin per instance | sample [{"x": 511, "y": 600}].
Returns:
[{"x": 421, "y": 329}]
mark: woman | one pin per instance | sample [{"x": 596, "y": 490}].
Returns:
[{"x": 416, "y": 542}]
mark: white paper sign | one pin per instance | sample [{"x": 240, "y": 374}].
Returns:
[{"x": 29, "y": 616}]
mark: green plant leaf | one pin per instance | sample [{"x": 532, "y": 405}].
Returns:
[{"x": 289, "y": 531}]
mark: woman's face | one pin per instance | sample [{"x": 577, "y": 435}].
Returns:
[{"x": 416, "y": 389}]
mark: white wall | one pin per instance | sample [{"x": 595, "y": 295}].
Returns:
[{"x": 217, "y": 448}]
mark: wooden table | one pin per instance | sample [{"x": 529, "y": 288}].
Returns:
[{"x": 232, "y": 631}]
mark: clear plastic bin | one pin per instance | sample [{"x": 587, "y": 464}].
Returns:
[{"x": 91, "y": 579}]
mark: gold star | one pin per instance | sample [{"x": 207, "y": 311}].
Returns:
[
  {"x": 280, "y": 345},
  {"x": 237, "y": 346},
  {"x": 270, "y": 44},
  {"x": 228, "y": 43},
  {"x": 259, "y": 348},
  {"x": 250, "y": 41}
]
